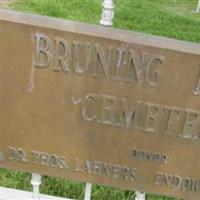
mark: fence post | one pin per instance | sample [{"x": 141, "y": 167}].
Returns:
[
  {"x": 198, "y": 6},
  {"x": 36, "y": 181},
  {"x": 139, "y": 195},
  {"x": 107, "y": 13},
  {"x": 88, "y": 191}
]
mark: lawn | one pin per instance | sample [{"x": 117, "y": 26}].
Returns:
[{"x": 169, "y": 18}]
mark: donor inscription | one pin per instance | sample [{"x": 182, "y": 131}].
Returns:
[{"x": 99, "y": 105}]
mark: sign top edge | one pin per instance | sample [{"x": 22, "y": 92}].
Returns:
[{"x": 99, "y": 31}]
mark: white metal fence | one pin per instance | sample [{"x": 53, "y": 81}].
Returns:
[{"x": 13, "y": 194}]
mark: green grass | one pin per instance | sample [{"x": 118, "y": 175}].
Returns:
[
  {"x": 170, "y": 18},
  {"x": 68, "y": 189}
]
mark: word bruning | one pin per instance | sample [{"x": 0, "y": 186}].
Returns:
[
  {"x": 97, "y": 61},
  {"x": 138, "y": 115}
]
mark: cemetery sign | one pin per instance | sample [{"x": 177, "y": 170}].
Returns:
[{"x": 100, "y": 105}]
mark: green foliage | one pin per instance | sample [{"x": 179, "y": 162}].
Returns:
[
  {"x": 170, "y": 18},
  {"x": 13, "y": 179}
]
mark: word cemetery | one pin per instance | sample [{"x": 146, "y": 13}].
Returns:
[{"x": 99, "y": 105}]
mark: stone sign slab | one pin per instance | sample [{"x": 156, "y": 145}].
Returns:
[{"x": 100, "y": 105}]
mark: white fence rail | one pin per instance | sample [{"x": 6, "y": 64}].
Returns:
[{"x": 13, "y": 194}]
